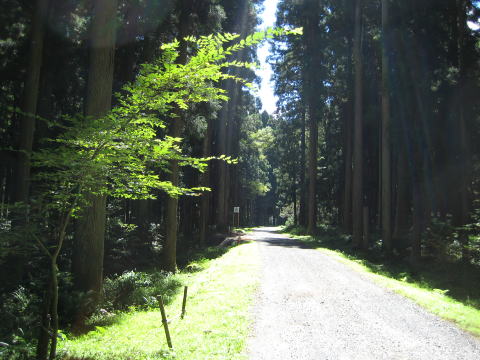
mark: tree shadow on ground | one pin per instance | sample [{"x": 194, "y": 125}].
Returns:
[{"x": 284, "y": 242}]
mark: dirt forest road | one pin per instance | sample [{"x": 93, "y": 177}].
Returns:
[{"x": 311, "y": 306}]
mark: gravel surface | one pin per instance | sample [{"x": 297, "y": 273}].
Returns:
[{"x": 310, "y": 306}]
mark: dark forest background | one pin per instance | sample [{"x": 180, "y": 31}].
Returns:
[{"x": 376, "y": 137}]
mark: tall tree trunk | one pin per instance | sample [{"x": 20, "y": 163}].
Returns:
[
  {"x": 205, "y": 182},
  {"x": 462, "y": 216},
  {"x": 402, "y": 199},
  {"x": 294, "y": 201},
  {"x": 220, "y": 205},
  {"x": 312, "y": 85},
  {"x": 347, "y": 191},
  {"x": 357, "y": 199},
  {"x": 21, "y": 167},
  {"x": 417, "y": 221},
  {"x": 312, "y": 173},
  {"x": 386, "y": 185},
  {"x": 303, "y": 195},
  {"x": 233, "y": 128},
  {"x": 30, "y": 100},
  {"x": 87, "y": 262},
  {"x": 169, "y": 252},
  {"x": 348, "y": 133}
]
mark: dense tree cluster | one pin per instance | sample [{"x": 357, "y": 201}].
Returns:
[
  {"x": 128, "y": 134},
  {"x": 378, "y": 102},
  {"x": 109, "y": 111}
]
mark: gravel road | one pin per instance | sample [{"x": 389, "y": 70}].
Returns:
[{"x": 311, "y": 306}]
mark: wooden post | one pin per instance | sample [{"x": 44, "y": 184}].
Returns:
[
  {"x": 164, "y": 321},
  {"x": 366, "y": 235},
  {"x": 184, "y": 303}
]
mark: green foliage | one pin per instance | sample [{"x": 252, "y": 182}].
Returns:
[
  {"x": 138, "y": 289},
  {"x": 254, "y": 165},
  {"x": 448, "y": 243},
  {"x": 441, "y": 240},
  {"x": 216, "y": 325},
  {"x": 120, "y": 154},
  {"x": 18, "y": 316}
]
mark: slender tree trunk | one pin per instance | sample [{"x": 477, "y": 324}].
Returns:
[
  {"x": 347, "y": 192},
  {"x": 169, "y": 252},
  {"x": 54, "y": 307},
  {"x": 205, "y": 182},
  {"x": 30, "y": 100},
  {"x": 402, "y": 199},
  {"x": 235, "y": 153},
  {"x": 187, "y": 208},
  {"x": 348, "y": 126},
  {"x": 21, "y": 167},
  {"x": 386, "y": 142},
  {"x": 44, "y": 334},
  {"x": 464, "y": 161},
  {"x": 87, "y": 263},
  {"x": 294, "y": 201},
  {"x": 312, "y": 173},
  {"x": 357, "y": 199},
  {"x": 222, "y": 169},
  {"x": 50, "y": 323},
  {"x": 312, "y": 79},
  {"x": 235, "y": 98},
  {"x": 303, "y": 195},
  {"x": 417, "y": 222}
]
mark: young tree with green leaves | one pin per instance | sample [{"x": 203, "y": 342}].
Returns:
[{"x": 119, "y": 154}]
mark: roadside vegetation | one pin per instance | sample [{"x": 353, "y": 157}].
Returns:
[
  {"x": 220, "y": 292},
  {"x": 448, "y": 289}
]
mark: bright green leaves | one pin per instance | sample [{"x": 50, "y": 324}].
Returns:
[{"x": 123, "y": 153}]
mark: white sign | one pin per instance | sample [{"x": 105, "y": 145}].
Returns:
[{"x": 236, "y": 209}]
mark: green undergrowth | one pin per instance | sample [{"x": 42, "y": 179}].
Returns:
[
  {"x": 220, "y": 292},
  {"x": 449, "y": 290}
]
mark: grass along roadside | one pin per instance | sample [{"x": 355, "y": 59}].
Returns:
[
  {"x": 215, "y": 326},
  {"x": 435, "y": 300}
]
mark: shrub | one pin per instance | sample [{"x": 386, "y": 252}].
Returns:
[{"x": 138, "y": 289}]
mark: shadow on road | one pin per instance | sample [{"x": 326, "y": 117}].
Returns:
[
  {"x": 272, "y": 239},
  {"x": 284, "y": 242}
]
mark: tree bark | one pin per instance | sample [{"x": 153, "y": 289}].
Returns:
[
  {"x": 312, "y": 84},
  {"x": 30, "y": 100},
  {"x": 169, "y": 252},
  {"x": 22, "y": 166},
  {"x": 87, "y": 264},
  {"x": 462, "y": 213},
  {"x": 357, "y": 200},
  {"x": 402, "y": 198},
  {"x": 303, "y": 195},
  {"x": 386, "y": 185},
  {"x": 205, "y": 182},
  {"x": 294, "y": 201},
  {"x": 222, "y": 169},
  {"x": 312, "y": 174},
  {"x": 417, "y": 222},
  {"x": 44, "y": 334},
  {"x": 347, "y": 192}
]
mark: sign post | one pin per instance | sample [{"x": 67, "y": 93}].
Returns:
[{"x": 236, "y": 214}]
